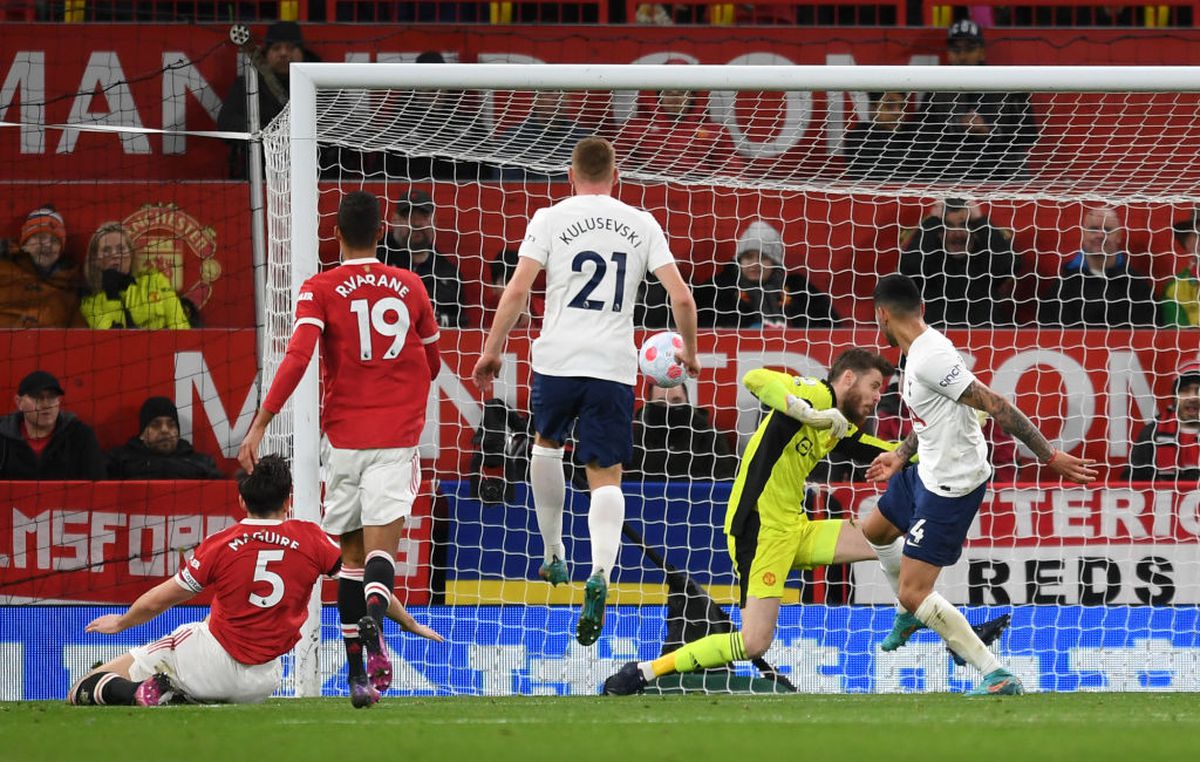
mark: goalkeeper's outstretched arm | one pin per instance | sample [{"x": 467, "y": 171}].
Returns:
[{"x": 775, "y": 391}]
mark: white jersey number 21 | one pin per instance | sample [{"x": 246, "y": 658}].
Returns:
[{"x": 600, "y": 268}]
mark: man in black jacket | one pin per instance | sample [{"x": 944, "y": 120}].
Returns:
[
  {"x": 964, "y": 267},
  {"x": 977, "y": 136},
  {"x": 41, "y": 442},
  {"x": 158, "y": 452},
  {"x": 1099, "y": 288},
  {"x": 409, "y": 244},
  {"x": 673, "y": 439}
]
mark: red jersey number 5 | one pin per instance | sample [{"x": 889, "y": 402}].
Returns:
[
  {"x": 387, "y": 317},
  {"x": 262, "y": 574}
]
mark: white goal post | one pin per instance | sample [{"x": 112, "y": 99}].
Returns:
[{"x": 294, "y": 174}]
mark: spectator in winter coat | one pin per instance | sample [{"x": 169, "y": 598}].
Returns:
[
  {"x": 974, "y": 136},
  {"x": 883, "y": 147},
  {"x": 673, "y": 439},
  {"x": 1168, "y": 448},
  {"x": 409, "y": 244},
  {"x": 755, "y": 290},
  {"x": 42, "y": 442},
  {"x": 676, "y": 137},
  {"x": 120, "y": 296},
  {"x": 964, "y": 267},
  {"x": 1099, "y": 288},
  {"x": 158, "y": 452},
  {"x": 39, "y": 286}
]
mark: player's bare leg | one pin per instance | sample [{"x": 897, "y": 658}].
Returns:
[
  {"x": 888, "y": 543},
  {"x": 379, "y": 578},
  {"x": 109, "y": 685},
  {"x": 549, "y": 487},
  {"x": 917, "y": 579},
  {"x": 759, "y": 618},
  {"x": 352, "y": 607},
  {"x": 606, "y": 514},
  {"x": 853, "y": 546}
]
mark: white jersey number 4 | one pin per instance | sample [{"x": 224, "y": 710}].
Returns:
[
  {"x": 600, "y": 268},
  {"x": 387, "y": 317}
]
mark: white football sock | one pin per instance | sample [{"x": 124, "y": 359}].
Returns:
[
  {"x": 549, "y": 493},
  {"x": 939, "y": 615},
  {"x": 889, "y": 560},
  {"x": 605, "y": 517}
]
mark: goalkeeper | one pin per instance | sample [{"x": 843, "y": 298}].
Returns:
[{"x": 765, "y": 523}]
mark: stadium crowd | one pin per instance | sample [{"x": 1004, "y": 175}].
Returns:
[{"x": 973, "y": 271}]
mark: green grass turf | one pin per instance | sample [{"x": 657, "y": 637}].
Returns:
[{"x": 693, "y": 728}]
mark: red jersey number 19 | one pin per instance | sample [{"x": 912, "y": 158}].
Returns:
[{"x": 387, "y": 317}]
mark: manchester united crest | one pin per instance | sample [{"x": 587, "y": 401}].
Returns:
[{"x": 174, "y": 242}]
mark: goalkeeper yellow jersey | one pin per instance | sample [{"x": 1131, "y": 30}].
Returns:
[{"x": 783, "y": 452}]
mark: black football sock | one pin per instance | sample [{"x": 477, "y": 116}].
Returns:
[
  {"x": 351, "y": 608},
  {"x": 378, "y": 578},
  {"x": 104, "y": 688}
]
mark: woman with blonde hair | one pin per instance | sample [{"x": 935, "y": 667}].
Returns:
[{"x": 119, "y": 297}]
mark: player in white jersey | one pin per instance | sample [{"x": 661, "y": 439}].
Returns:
[
  {"x": 923, "y": 517},
  {"x": 596, "y": 251}
]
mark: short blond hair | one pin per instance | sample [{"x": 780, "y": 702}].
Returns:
[{"x": 593, "y": 160}]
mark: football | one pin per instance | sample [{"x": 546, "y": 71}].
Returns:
[{"x": 657, "y": 359}]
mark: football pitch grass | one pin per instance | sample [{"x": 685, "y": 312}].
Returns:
[{"x": 691, "y": 728}]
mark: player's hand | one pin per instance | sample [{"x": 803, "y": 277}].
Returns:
[
  {"x": 884, "y": 467},
  {"x": 425, "y": 631},
  {"x": 248, "y": 453},
  {"x": 486, "y": 370},
  {"x": 109, "y": 624},
  {"x": 1073, "y": 469},
  {"x": 831, "y": 419},
  {"x": 688, "y": 361}
]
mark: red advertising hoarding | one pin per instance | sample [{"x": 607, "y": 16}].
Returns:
[
  {"x": 109, "y": 542},
  {"x": 173, "y": 78}
]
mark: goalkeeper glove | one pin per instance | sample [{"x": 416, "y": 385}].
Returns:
[{"x": 831, "y": 419}]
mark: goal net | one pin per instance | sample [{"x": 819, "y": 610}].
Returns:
[{"x": 1049, "y": 215}]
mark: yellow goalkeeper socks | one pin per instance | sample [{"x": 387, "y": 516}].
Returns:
[{"x": 706, "y": 653}]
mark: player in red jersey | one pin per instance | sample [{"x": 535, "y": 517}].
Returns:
[
  {"x": 261, "y": 572},
  {"x": 378, "y": 337}
]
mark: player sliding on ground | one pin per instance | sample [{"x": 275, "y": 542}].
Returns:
[
  {"x": 923, "y": 517},
  {"x": 261, "y": 571},
  {"x": 378, "y": 338},
  {"x": 765, "y": 524},
  {"x": 596, "y": 251}
]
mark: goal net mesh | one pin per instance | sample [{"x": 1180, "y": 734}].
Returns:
[{"x": 1054, "y": 237}]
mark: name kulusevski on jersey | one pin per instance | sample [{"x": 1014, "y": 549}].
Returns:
[{"x": 596, "y": 251}]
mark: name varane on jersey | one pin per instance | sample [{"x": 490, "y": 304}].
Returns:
[{"x": 375, "y": 321}]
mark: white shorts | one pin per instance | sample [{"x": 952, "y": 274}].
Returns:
[
  {"x": 198, "y": 664},
  {"x": 368, "y": 487}
]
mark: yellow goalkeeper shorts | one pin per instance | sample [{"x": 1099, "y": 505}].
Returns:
[{"x": 763, "y": 556}]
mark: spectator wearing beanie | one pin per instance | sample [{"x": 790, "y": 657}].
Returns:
[
  {"x": 39, "y": 285},
  {"x": 158, "y": 452},
  {"x": 41, "y": 441}
]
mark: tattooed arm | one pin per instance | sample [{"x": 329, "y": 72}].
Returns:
[
  {"x": 1009, "y": 418},
  {"x": 1017, "y": 424}
]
